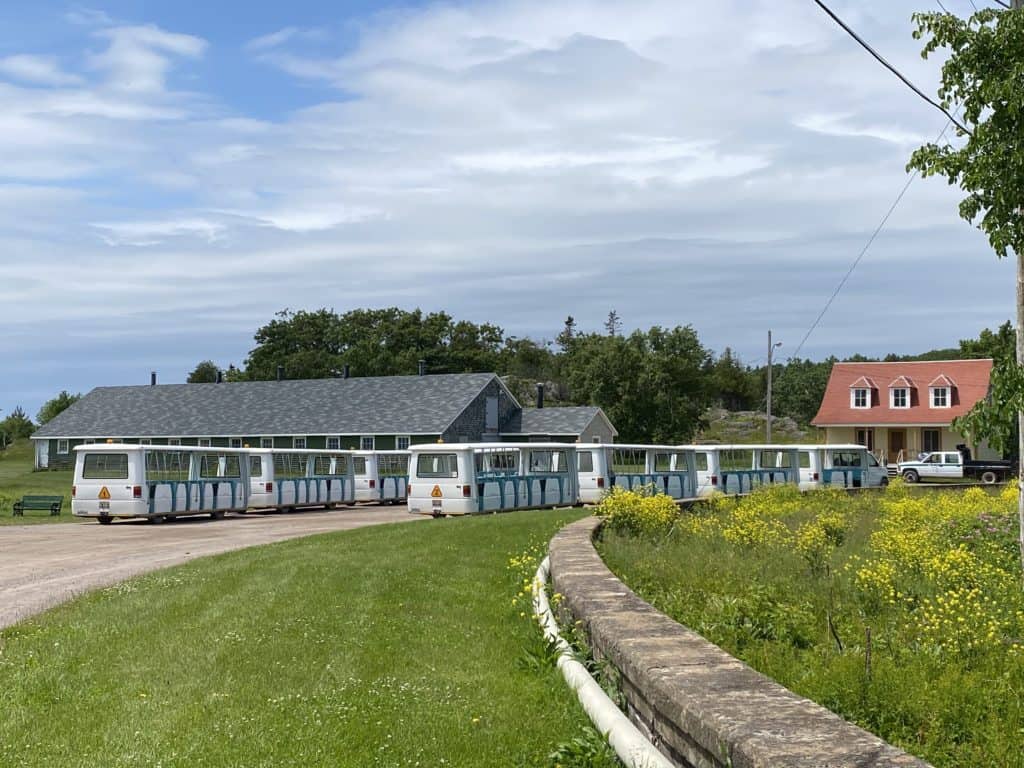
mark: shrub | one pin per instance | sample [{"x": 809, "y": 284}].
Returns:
[{"x": 644, "y": 511}]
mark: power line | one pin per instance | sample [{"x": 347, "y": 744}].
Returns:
[
  {"x": 881, "y": 60},
  {"x": 866, "y": 247}
]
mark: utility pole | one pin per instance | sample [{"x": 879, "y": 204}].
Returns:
[{"x": 768, "y": 399}]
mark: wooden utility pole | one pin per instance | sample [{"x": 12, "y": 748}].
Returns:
[
  {"x": 768, "y": 399},
  {"x": 1017, "y": 5}
]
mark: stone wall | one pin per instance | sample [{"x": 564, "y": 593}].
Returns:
[{"x": 699, "y": 705}]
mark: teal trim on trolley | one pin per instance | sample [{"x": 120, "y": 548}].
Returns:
[
  {"x": 306, "y": 483},
  {"x": 176, "y": 486},
  {"x": 756, "y": 477}
]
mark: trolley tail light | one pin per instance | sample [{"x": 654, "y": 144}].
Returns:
[
  {"x": 136, "y": 491},
  {"x": 600, "y": 482},
  {"x": 268, "y": 487},
  {"x": 73, "y": 489},
  {"x": 714, "y": 479},
  {"x": 814, "y": 477},
  {"x": 373, "y": 483},
  {"x": 466, "y": 491}
]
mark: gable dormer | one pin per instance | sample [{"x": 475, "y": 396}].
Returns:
[
  {"x": 863, "y": 393},
  {"x": 941, "y": 392},
  {"x": 902, "y": 392}
]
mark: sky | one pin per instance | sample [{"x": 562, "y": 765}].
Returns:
[{"x": 173, "y": 174}]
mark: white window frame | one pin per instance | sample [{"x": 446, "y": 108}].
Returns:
[
  {"x": 297, "y": 439},
  {"x": 333, "y": 443},
  {"x": 205, "y": 442},
  {"x": 945, "y": 394},
  {"x": 145, "y": 441},
  {"x": 408, "y": 442},
  {"x": 89, "y": 441},
  {"x": 266, "y": 442},
  {"x": 174, "y": 441},
  {"x": 362, "y": 443},
  {"x": 854, "y": 391},
  {"x": 234, "y": 442},
  {"x": 892, "y": 398},
  {"x": 63, "y": 447}
]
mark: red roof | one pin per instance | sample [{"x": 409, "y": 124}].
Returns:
[
  {"x": 863, "y": 383},
  {"x": 902, "y": 381},
  {"x": 942, "y": 380},
  {"x": 972, "y": 377}
]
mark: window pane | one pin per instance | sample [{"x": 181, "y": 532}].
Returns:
[
  {"x": 586, "y": 461},
  {"x": 702, "y": 462},
  {"x": 359, "y": 465},
  {"x": 402, "y": 443},
  {"x": 255, "y": 466},
  {"x": 105, "y": 466},
  {"x": 437, "y": 465}
]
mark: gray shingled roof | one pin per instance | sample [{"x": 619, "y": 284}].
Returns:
[
  {"x": 565, "y": 420},
  {"x": 416, "y": 405}
]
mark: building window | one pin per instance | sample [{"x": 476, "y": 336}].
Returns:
[
  {"x": 333, "y": 443},
  {"x": 145, "y": 441},
  {"x": 205, "y": 442},
  {"x": 90, "y": 440},
  {"x": 940, "y": 397},
  {"x": 865, "y": 437},
  {"x": 860, "y": 398},
  {"x": 236, "y": 442},
  {"x": 266, "y": 442},
  {"x": 366, "y": 443},
  {"x": 62, "y": 446},
  {"x": 899, "y": 397},
  {"x": 402, "y": 442},
  {"x": 299, "y": 442},
  {"x": 174, "y": 441},
  {"x": 931, "y": 440}
]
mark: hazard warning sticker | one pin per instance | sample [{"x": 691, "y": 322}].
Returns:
[
  {"x": 436, "y": 493},
  {"x": 104, "y": 493}
]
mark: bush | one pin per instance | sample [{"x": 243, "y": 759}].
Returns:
[{"x": 640, "y": 512}]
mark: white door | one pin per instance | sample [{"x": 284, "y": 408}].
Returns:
[{"x": 42, "y": 454}]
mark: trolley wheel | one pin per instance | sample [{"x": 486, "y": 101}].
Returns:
[
  {"x": 911, "y": 476},
  {"x": 989, "y": 477},
  {"x": 157, "y": 519},
  {"x": 105, "y": 519},
  {"x": 884, "y": 482},
  {"x": 217, "y": 514}
]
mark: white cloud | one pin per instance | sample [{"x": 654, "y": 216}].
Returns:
[
  {"x": 43, "y": 70},
  {"x": 137, "y": 58}
]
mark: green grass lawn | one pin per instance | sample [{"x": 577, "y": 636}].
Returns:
[
  {"x": 17, "y": 479},
  {"x": 390, "y": 646}
]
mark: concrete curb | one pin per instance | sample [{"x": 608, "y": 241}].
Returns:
[{"x": 700, "y": 706}]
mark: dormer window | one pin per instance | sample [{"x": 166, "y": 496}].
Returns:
[
  {"x": 899, "y": 397},
  {"x": 940, "y": 397},
  {"x": 860, "y": 397},
  {"x": 941, "y": 391}
]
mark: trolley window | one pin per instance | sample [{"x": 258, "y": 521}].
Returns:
[
  {"x": 213, "y": 465},
  {"x": 105, "y": 466},
  {"x": 167, "y": 465},
  {"x": 548, "y": 461},
  {"x": 701, "y": 460},
  {"x": 586, "y": 461},
  {"x": 255, "y": 466},
  {"x": 359, "y": 465},
  {"x": 663, "y": 462},
  {"x": 437, "y": 465}
]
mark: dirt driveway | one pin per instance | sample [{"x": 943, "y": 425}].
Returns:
[{"x": 43, "y": 565}]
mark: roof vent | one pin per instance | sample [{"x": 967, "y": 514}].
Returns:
[
  {"x": 152, "y": 378},
  {"x": 540, "y": 394},
  {"x": 346, "y": 371},
  {"x": 280, "y": 372},
  {"x": 422, "y": 368}
]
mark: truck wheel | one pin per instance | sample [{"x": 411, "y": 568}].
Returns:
[
  {"x": 988, "y": 477},
  {"x": 884, "y": 482},
  {"x": 911, "y": 476},
  {"x": 157, "y": 519}
]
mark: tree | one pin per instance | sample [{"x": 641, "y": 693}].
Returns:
[
  {"x": 982, "y": 77},
  {"x": 17, "y": 425},
  {"x": 205, "y": 373},
  {"x": 799, "y": 388},
  {"x": 56, "y": 405},
  {"x": 613, "y": 325},
  {"x": 732, "y": 383}
]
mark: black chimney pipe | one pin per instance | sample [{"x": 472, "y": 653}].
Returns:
[
  {"x": 422, "y": 368},
  {"x": 220, "y": 376},
  {"x": 540, "y": 395},
  {"x": 280, "y": 372},
  {"x": 152, "y": 378},
  {"x": 345, "y": 371}
]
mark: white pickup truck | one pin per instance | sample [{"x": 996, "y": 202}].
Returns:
[{"x": 953, "y": 465}]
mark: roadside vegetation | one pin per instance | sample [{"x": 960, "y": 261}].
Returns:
[
  {"x": 400, "y": 645},
  {"x": 903, "y": 611},
  {"x": 17, "y": 479}
]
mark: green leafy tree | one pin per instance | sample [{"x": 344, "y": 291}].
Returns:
[
  {"x": 733, "y": 384},
  {"x": 17, "y": 426},
  {"x": 204, "y": 373},
  {"x": 798, "y": 388},
  {"x": 56, "y": 405}
]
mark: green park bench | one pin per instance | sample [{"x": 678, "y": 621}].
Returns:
[{"x": 42, "y": 503}]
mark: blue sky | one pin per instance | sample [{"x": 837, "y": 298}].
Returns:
[{"x": 172, "y": 174}]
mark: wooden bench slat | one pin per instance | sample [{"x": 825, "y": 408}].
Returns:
[{"x": 38, "y": 502}]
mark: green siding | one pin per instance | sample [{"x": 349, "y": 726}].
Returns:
[{"x": 316, "y": 442}]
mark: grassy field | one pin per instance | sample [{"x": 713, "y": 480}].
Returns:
[
  {"x": 391, "y": 646},
  {"x": 17, "y": 479},
  {"x": 901, "y": 611}
]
